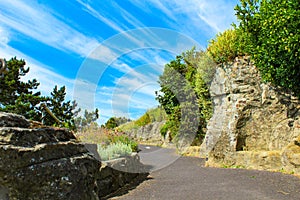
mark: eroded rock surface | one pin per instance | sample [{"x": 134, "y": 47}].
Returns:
[
  {"x": 149, "y": 134},
  {"x": 254, "y": 124},
  {"x": 46, "y": 163}
]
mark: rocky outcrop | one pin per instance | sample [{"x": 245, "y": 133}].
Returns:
[
  {"x": 49, "y": 163},
  {"x": 254, "y": 124},
  {"x": 44, "y": 163},
  {"x": 149, "y": 134}
]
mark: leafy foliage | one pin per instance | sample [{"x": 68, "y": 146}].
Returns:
[
  {"x": 111, "y": 123},
  {"x": 272, "y": 29},
  {"x": 225, "y": 47},
  {"x": 157, "y": 114},
  {"x": 114, "y": 122},
  {"x": 121, "y": 120},
  {"x": 121, "y": 138},
  {"x": 99, "y": 135},
  {"x": 184, "y": 94},
  {"x": 143, "y": 120}
]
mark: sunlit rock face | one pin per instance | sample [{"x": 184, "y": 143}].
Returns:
[
  {"x": 149, "y": 134},
  {"x": 255, "y": 124}
]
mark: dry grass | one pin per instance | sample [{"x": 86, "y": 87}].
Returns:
[{"x": 93, "y": 135}]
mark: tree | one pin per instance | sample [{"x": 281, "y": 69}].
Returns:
[
  {"x": 22, "y": 97},
  {"x": 64, "y": 111},
  {"x": 121, "y": 120},
  {"x": 272, "y": 29},
  {"x": 18, "y": 96},
  {"x": 87, "y": 119},
  {"x": 184, "y": 94},
  {"x": 111, "y": 123}
]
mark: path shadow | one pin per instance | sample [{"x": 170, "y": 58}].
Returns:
[{"x": 129, "y": 186}]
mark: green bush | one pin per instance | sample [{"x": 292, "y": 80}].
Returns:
[
  {"x": 124, "y": 139},
  {"x": 157, "y": 114},
  {"x": 206, "y": 68},
  {"x": 144, "y": 120},
  {"x": 224, "y": 47},
  {"x": 113, "y": 151},
  {"x": 184, "y": 87},
  {"x": 272, "y": 28}
]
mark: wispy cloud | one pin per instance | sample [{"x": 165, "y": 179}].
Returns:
[
  {"x": 91, "y": 10},
  {"x": 47, "y": 78},
  {"x": 33, "y": 20},
  {"x": 217, "y": 14},
  {"x": 193, "y": 16},
  {"x": 4, "y": 36}
]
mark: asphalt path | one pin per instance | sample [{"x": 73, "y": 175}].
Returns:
[{"x": 187, "y": 178}]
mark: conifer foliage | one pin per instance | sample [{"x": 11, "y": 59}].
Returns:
[{"x": 22, "y": 97}]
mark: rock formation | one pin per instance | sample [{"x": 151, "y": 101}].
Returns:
[
  {"x": 149, "y": 133},
  {"x": 49, "y": 163},
  {"x": 44, "y": 163},
  {"x": 254, "y": 124}
]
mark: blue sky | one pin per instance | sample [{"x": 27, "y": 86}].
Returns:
[{"x": 107, "y": 53}]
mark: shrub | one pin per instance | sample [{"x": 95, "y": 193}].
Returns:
[
  {"x": 113, "y": 151},
  {"x": 273, "y": 31},
  {"x": 105, "y": 137},
  {"x": 224, "y": 47},
  {"x": 144, "y": 120},
  {"x": 206, "y": 68},
  {"x": 124, "y": 139}
]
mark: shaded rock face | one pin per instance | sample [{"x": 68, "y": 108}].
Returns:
[
  {"x": 254, "y": 124},
  {"x": 43, "y": 163},
  {"x": 116, "y": 174}
]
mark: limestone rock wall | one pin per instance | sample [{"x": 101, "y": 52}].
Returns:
[
  {"x": 149, "y": 133},
  {"x": 254, "y": 124}
]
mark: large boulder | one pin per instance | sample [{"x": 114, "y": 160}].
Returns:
[
  {"x": 45, "y": 163},
  {"x": 253, "y": 122},
  {"x": 13, "y": 120}
]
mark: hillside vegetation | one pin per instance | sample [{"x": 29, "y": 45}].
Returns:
[
  {"x": 152, "y": 115},
  {"x": 267, "y": 31}
]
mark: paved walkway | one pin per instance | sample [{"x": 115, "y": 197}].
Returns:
[{"x": 186, "y": 178}]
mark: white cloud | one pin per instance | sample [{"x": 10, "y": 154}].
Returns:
[
  {"x": 4, "y": 36},
  {"x": 47, "y": 78},
  {"x": 217, "y": 14},
  {"x": 35, "y": 21},
  {"x": 188, "y": 16},
  {"x": 88, "y": 8},
  {"x": 109, "y": 20},
  {"x": 103, "y": 54}
]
